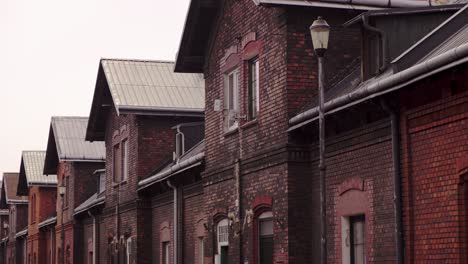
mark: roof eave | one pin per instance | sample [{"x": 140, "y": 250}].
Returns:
[{"x": 162, "y": 111}]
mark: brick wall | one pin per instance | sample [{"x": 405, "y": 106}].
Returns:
[{"x": 434, "y": 139}]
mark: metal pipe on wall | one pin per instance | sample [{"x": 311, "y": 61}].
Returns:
[
  {"x": 395, "y": 130},
  {"x": 175, "y": 249}
]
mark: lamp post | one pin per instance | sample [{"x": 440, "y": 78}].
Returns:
[
  {"x": 320, "y": 31},
  {"x": 61, "y": 191}
]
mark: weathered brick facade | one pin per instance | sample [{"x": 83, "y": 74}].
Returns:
[
  {"x": 434, "y": 147},
  {"x": 258, "y": 154},
  {"x": 151, "y": 142},
  {"x": 44, "y": 207}
]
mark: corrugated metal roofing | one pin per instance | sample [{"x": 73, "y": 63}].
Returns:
[
  {"x": 69, "y": 134},
  {"x": 456, "y": 40},
  {"x": 33, "y": 162},
  {"x": 10, "y": 183},
  {"x": 189, "y": 159},
  {"x": 153, "y": 85},
  {"x": 91, "y": 202},
  {"x": 48, "y": 222}
]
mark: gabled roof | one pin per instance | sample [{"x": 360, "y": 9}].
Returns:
[
  {"x": 8, "y": 192},
  {"x": 190, "y": 159},
  {"x": 143, "y": 88},
  {"x": 67, "y": 143},
  {"x": 31, "y": 172},
  {"x": 448, "y": 53}
]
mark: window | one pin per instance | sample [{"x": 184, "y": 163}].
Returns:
[
  {"x": 165, "y": 253},
  {"x": 90, "y": 257},
  {"x": 254, "y": 87},
  {"x": 201, "y": 250},
  {"x": 124, "y": 160},
  {"x": 358, "y": 239},
  {"x": 33, "y": 208},
  {"x": 265, "y": 238},
  {"x": 116, "y": 167},
  {"x": 67, "y": 190},
  {"x": 223, "y": 242},
  {"x": 231, "y": 99}
]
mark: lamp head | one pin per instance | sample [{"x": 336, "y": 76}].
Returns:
[{"x": 320, "y": 32}]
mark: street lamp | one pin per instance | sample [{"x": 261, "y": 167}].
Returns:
[
  {"x": 61, "y": 191},
  {"x": 320, "y": 32}
]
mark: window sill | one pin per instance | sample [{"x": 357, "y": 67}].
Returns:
[
  {"x": 250, "y": 123},
  {"x": 231, "y": 131}
]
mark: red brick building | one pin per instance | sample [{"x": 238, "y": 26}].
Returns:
[
  {"x": 4, "y": 221},
  {"x": 176, "y": 193},
  {"x": 135, "y": 105},
  {"x": 42, "y": 193},
  {"x": 397, "y": 143},
  {"x": 74, "y": 161},
  {"x": 17, "y": 207}
]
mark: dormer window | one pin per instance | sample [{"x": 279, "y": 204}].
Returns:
[{"x": 231, "y": 99}]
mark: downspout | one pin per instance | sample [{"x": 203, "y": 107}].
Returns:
[
  {"x": 383, "y": 42},
  {"x": 395, "y": 130},
  {"x": 94, "y": 236},
  {"x": 175, "y": 210}
]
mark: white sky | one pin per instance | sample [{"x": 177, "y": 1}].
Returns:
[{"x": 49, "y": 55}]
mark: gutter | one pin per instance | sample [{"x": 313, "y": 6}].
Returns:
[
  {"x": 395, "y": 128},
  {"x": 348, "y": 4},
  {"x": 394, "y": 82},
  {"x": 177, "y": 168}
]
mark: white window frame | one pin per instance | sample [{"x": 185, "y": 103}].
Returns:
[
  {"x": 125, "y": 161},
  {"x": 231, "y": 111},
  {"x": 225, "y": 224},
  {"x": 201, "y": 250},
  {"x": 256, "y": 62},
  {"x": 345, "y": 239},
  {"x": 166, "y": 252}
]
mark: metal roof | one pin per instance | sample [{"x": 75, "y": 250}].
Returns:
[
  {"x": 153, "y": 85},
  {"x": 32, "y": 164},
  {"x": 48, "y": 222},
  {"x": 69, "y": 134},
  {"x": 458, "y": 39},
  {"x": 192, "y": 158},
  {"x": 67, "y": 143},
  {"x": 91, "y": 202},
  {"x": 9, "y": 186},
  {"x": 21, "y": 233}
]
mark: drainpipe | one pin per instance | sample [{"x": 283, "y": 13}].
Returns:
[
  {"x": 175, "y": 210},
  {"x": 94, "y": 236},
  {"x": 383, "y": 42},
  {"x": 395, "y": 128}
]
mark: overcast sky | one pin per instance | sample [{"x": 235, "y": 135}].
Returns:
[{"x": 49, "y": 55}]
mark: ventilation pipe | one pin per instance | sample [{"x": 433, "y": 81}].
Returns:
[{"x": 395, "y": 128}]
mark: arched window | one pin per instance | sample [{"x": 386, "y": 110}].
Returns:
[
  {"x": 265, "y": 237},
  {"x": 222, "y": 235}
]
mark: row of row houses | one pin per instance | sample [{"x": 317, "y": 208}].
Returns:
[{"x": 214, "y": 158}]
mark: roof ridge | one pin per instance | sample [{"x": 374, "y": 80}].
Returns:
[{"x": 138, "y": 60}]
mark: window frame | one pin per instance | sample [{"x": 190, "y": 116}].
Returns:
[
  {"x": 231, "y": 110},
  {"x": 124, "y": 160},
  {"x": 116, "y": 160},
  {"x": 220, "y": 245},
  {"x": 253, "y": 88},
  {"x": 353, "y": 220},
  {"x": 201, "y": 250},
  {"x": 266, "y": 216},
  {"x": 166, "y": 252}
]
